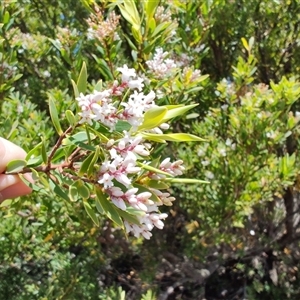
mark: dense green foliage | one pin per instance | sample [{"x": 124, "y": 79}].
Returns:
[{"x": 234, "y": 238}]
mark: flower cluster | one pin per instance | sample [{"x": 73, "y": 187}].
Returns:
[
  {"x": 121, "y": 174},
  {"x": 163, "y": 15},
  {"x": 101, "y": 106},
  {"x": 66, "y": 37},
  {"x": 161, "y": 66},
  {"x": 100, "y": 28}
]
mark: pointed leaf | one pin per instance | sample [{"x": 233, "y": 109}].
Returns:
[
  {"x": 90, "y": 169},
  {"x": 129, "y": 217},
  {"x": 54, "y": 115},
  {"x": 153, "y": 117},
  {"x": 108, "y": 208},
  {"x": 185, "y": 180},
  {"x": 75, "y": 88},
  {"x": 58, "y": 190},
  {"x": 174, "y": 137},
  {"x": 150, "y": 7},
  {"x": 152, "y": 169},
  {"x": 143, "y": 189},
  {"x": 44, "y": 153},
  {"x": 157, "y": 184},
  {"x": 70, "y": 117},
  {"x": 82, "y": 79},
  {"x": 177, "y": 110},
  {"x": 91, "y": 212}
]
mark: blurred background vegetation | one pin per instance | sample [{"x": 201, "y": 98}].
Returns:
[{"x": 235, "y": 238}]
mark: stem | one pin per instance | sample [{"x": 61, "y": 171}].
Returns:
[
  {"x": 56, "y": 146},
  {"x": 43, "y": 169}
]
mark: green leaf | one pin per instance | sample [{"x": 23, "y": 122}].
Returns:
[
  {"x": 6, "y": 17},
  {"x": 15, "y": 166},
  {"x": 245, "y": 44},
  {"x": 130, "y": 12},
  {"x": 58, "y": 190},
  {"x": 131, "y": 44},
  {"x": 91, "y": 212},
  {"x": 185, "y": 180},
  {"x": 34, "y": 152},
  {"x": 73, "y": 193},
  {"x": 35, "y": 161},
  {"x": 153, "y": 169},
  {"x": 59, "y": 154},
  {"x": 75, "y": 88},
  {"x": 82, "y": 79},
  {"x": 34, "y": 186},
  {"x": 83, "y": 190},
  {"x": 91, "y": 170},
  {"x": 122, "y": 125},
  {"x": 54, "y": 115},
  {"x": 129, "y": 216},
  {"x": 143, "y": 189},
  {"x": 153, "y": 117},
  {"x": 85, "y": 164},
  {"x": 70, "y": 117},
  {"x": 108, "y": 208},
  {"x": 79, "y": 139},
  {"x": 157, "y": 184},
  {"x": 177, "y": 110},
  {"x": 173, "y": 137},
  {"x": 150, "y": 7},
  {"x": 44, "y": 153}
]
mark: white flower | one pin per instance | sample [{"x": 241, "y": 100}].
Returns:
[
  {"x": 106, "y": 180},
  {"x": 205, "y": 163},
  {"x": 200, "y": 152},
  {"x": 209, "y": 175},
  {"x": 160, "y": 66},
  {"x": 222, "y": 151},
  {"x": 136, "y": 83},
  {"x": 126, "y": 73}
]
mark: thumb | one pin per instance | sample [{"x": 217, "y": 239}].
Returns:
[
  {"x": 11, "y": 186},
  {"x": 8, "y": 152}
]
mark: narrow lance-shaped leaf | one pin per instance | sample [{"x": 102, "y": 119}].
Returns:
[
  {"x": 75, "y": 88},
  {"x": 153, "y": 117},
  {"x": 33, "y": 185},
  {"x": 82, "y": 79},
  {"x": 129, "y": 217},
  {"x": 108, "y": 208},
  {"x": 44, "y": 153},
  {"x": 91, "y": 212},
  {"x": 90, "y": 169},
  {"x": 58, "y": 190},
  {"x": 185, "y": 180},
  {"x": 85, "y": 164},
  {"x": 150, "y": 7},
  {"x": 54, "y": 115},
  {"x": 153, "y": 169},
  {"x": 174, "y": 137},
  {"x": 177, "y": 110},
  {"x": 70, "y": 117}
]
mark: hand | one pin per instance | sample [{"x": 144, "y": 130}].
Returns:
[{"x": 11, "y": 186}]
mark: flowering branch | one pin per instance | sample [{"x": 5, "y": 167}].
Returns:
[{"x": 107, "y": 154}]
